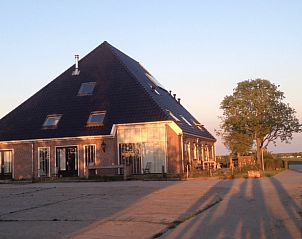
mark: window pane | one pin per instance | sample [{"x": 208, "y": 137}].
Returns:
[
  {"x": 52, "y": 120},
  {"x": 96, "y": 118},
  {"x": 89, "y": 154},
  {"x": 44, "y": 161},
  {"x": 86, "y": 88},
  {"x": 184, "y": 119},
  {"x": 61, "y": 159},
  {"x": 7, "y": 161}
]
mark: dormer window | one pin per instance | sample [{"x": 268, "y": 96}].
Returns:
[
  {"x": 96, "y": 118},
  {"x": 51, "y": 121},
  {"x": 86, "y": 88},
  {"x": 173, "y": 116},
  {"x": 184, "y": 119}
]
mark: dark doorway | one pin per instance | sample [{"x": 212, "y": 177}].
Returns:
[
  {"x": 67, "y": 161},
  {"x": 6, "y": 164}
]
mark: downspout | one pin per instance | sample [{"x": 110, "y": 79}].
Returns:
[
  {"x": 182, "y": 153},
  {"x": 32, "y": 160}
]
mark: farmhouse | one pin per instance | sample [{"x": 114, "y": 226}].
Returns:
[{"x": 103, "y": 113}]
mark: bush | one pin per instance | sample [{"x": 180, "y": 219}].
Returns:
[{"x": 273, "y": 164}]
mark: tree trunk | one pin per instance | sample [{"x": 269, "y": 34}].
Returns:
[{"x": 259, "y": 151}]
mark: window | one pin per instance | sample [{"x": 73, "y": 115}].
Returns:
[
  {"x": 6, "y": 163},
  {"x": 96, "y": 119},
  {"x": 44, "y": 161},
  {"x": 172, "y": 115},
  {"x": 198, "y": 125},
  {"x": 86, "y": 88},
  {"x": 89, "y": 154},
  {"x": 184, "y": 119},
  {"x": 195, "y": 150},
  {"x": 51, "y": 121},
  {"x": 153, "y": 88},
  {"x": 151, "y": 77}
]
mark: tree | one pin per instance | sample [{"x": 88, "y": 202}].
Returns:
[
  {"x": 256, "y": 110},
  {"x": 237, "y": 143}
]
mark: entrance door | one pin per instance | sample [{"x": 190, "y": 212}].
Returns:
[
  {"x": 6, "y": 166},
  {"x": 67, "y": 161}
]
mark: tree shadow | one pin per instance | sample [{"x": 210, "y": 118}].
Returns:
[{"x": 245, "y": 212}]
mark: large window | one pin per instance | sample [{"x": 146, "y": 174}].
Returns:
[
  {"x": 86, "y": 88},
  {"x": 44, "y": 156},
  {"x": 51, "y": 121},
  {"x": 89, "y": 154},
  {"x": 142, "y": 145},
  {"x": 96, "y": 118}
]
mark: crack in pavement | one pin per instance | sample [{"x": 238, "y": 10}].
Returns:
[
  {"x": 176, "y": 223},
  {"x": 40, "y": 206},
  {"x": 27, "y": 192}
]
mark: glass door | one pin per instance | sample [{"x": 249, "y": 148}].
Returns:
[{"x": 67, "y": 161}]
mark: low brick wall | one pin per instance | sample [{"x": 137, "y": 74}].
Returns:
[{"x": 253, "y": 174}]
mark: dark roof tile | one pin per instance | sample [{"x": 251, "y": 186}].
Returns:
[{"x": 122, "y": 90}]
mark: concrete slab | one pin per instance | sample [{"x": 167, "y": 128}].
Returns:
[{"x": 250, "y": 208}]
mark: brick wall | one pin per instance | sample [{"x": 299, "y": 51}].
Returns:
[{"x": 25, "y": 166}]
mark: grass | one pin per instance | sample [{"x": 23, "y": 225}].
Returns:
[{"x": 226, "y": 173}]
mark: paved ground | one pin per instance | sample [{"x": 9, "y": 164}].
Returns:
[{"x": 242, "y": 208}]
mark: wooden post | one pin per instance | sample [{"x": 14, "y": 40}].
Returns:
[
  {"x": 125, "y": 172},
  {"x": 187, "y": 167}
]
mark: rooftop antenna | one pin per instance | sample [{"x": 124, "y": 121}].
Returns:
[{"x": 76, "y": 71}]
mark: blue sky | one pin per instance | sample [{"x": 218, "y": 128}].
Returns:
[{"x": 197, "y": 49}]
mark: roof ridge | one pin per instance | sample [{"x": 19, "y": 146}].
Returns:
[{"x": 134, "y": 77}]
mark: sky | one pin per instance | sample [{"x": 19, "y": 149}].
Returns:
[{"x": 198, "y": 49}]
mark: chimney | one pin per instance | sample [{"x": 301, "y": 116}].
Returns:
[
  {"x": 178, "y": 99},
  {"x": 76, "y": 70},
  {"x": 76, "y": 61}
]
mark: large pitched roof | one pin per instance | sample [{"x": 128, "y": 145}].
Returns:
[{"x": 123, "y": 89}]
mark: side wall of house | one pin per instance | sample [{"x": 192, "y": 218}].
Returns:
[
  {"x": 26, "y": 167},
  {"x": 174, "y": 152},
  {"x": 21, "y": 159}
]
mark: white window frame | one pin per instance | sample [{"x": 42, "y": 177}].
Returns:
[
  {"x": 87, "y": 164},
  {"x": 39, "y": 161}
]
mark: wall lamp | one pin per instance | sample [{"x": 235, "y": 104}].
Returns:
[{"x": 103, "y": 146}]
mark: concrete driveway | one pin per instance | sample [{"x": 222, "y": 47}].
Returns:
[{"x": 241, "y": 208}]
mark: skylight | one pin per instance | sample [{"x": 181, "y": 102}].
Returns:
[
  {"x": 151, "y": 77},
  {"x": 184, "y": 119},
  {"x": 86, "y": 88},
  {"x": 51, "y": 121},
  {"x": 172, "y": 115},
  {"x": 153, "y": 88},
  {"x": 96, "y": 118}
]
